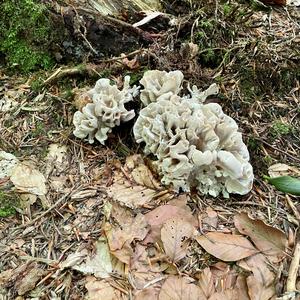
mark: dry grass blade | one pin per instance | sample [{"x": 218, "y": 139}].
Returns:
[
  {"x": 271, "y": 241},
  {"x": 227, "y": 247}
]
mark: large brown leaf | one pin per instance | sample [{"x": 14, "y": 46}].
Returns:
[
  {"x": 101, "y": 289},
  {"x": 271, "y": 241},
  {"x": 206, "y": 283},
  {"x": 261, "y": 284},
  {"x": 157, "y": 217},
  {"x": 135, "y": 186},
  {"x": 227, "y": 247},
  {"x": 180, "y": 288},
  {"x": 174, "y": 235}
]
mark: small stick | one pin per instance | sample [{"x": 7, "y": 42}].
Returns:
[
  {"x": 46, "y": 212},
  {"x": 293, "y": 271}
]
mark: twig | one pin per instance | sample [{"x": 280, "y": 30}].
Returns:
[
  {"x": 88, "y": 68},
  {"x": 277, "y": 149},
  {"x": 293, "y": 271},
  {"x": 59, "y": 201}
]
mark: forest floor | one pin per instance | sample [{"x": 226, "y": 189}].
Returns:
[{"x": 105, "y": 228}]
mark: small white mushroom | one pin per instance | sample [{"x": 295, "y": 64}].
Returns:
[
  {"x": 160, "y": 85},
  {"x": 106, "y": 110}
]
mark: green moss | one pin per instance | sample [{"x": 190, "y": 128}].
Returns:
[
  {"x": 7, "y": 204},
  {"x": 268, "y": 160},
  {"x": 39, "y": 130},
  {"x": 25, "y": 31},
  {"x": 278, "y": 129},
  {"x": 227, "y": 9}
]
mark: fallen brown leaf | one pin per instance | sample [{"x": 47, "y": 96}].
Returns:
[
  {"x": 119, "y": 240},
  {"x": 157, "y": 217},
  {"x": 271, "y": 241},
  {"x": 225, "y": 295},
  {"x": 135, "y": 186},
  {"x": 147, "y": 294},
  {"x": 101, "y": 289},
  {"x": 29, "y": 281},
  {"x": 180, "y": 288},
  {"x": 206, "y": 283},
  {"x": 261, "y": 284},
  {"x": 241, "y": 288},
  {"x": 174, "y": 235},
  {"x": 227, "y": 247},
  {"x": 210, "y": 219}
]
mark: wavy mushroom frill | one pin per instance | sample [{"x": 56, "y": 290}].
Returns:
[
  {"x": 105, "y": 110},
  {"x": 160, "y": 85},
  {"x": 197, "y": 146}
]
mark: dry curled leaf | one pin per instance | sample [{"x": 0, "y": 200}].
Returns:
[
  {"x": 29, "y": 281},
  {"x": 279, "y": 169},
  {"x": 99, "y": 264},
  {"x": 271, "y": 241},
  {"x": 101, "y": 290},
  {"x": 206, "y": 283},
  {"x": 119, "y": 239},
  {"x": 174, "y": 235},
  {"x": 227, "y": 247},
  {"x": 261, "y": 284},
  {"x": 28, "y": 180},
  {"x": 157, "y": 217},
  {"x": 180, "y": 288}
]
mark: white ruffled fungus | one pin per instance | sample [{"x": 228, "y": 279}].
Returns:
[
  {"x": 105, "y": 111},
  {"x": 160, "y": 84},
  {"x": 197, "y": 145}
]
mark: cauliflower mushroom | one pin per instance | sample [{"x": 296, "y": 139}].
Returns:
[
  {"x": 106, "y": 110},
  {"x": 196, "y": 145}
]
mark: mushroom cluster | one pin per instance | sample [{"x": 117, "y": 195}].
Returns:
[
  {"x": 104, "y": 111},
  {"x": 197, "y": 145}
]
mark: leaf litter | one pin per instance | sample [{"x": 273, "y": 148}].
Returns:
[{"x": 67, "y": 233}]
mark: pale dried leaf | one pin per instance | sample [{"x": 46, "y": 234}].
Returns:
[
  {"x": 101, "y": 290},
  {"x": 180, "y": 288},
  {"x": 137, "y": 229},
  {"x": 99, "y": 264},
  {"x": 206, "y": 283},
  {"x": 28, "y": 180},
  {"x": 210, "y": 219},
  {"x": 261, "y": 285},
  {"x": 56, "y": 153},
  {"x": 258, "y": 291},
  {"x": 143, "y": 176},
  {"x": 279, "y": 169},
  {"x": 73, "y": 259},
  {"x": 227, "y": 247},
  {"x": 174, "y": 235},
  {"x": 119, "y": 240},
  {"x": 259, "y": 266},
  {"x": 228, "y": 294},
  {"x": 241, "y": 288},
  {"x": 128, "y": 194},
  {"x": 29, "y": 281},
  {"x": 271, "y": 241},
  {"x": 157, "y": 217},
  {"x": 150, "y": 293}
]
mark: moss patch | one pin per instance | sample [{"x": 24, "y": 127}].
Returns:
[
  {"x": 8, "y": 202},
  {"x": 25, "y": 34}
]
